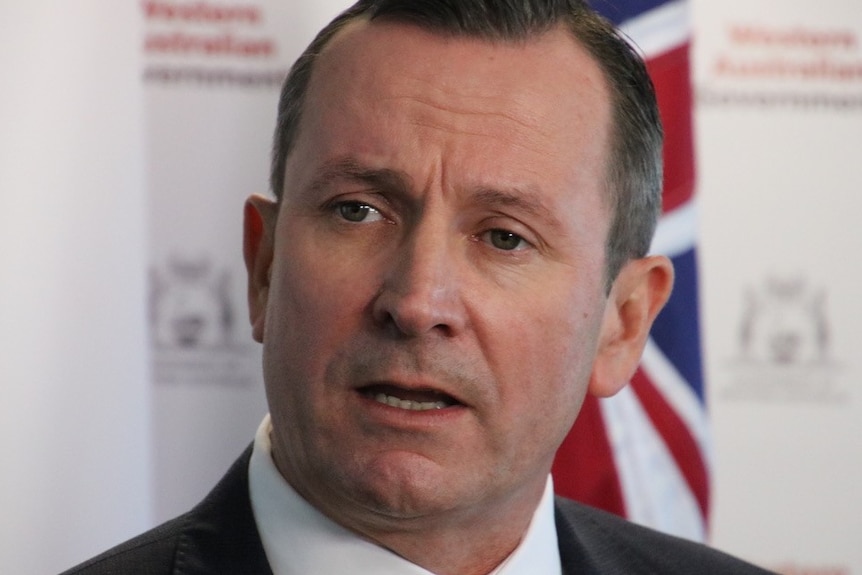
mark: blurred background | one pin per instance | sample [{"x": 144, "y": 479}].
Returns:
[{"x": 131, "y": 133}]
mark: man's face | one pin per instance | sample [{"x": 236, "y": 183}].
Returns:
[{"x": 436, "y": 292}]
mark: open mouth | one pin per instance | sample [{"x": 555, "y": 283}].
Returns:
[{"x": 409, "y": 399}]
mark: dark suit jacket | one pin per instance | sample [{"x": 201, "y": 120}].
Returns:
[{"x": 220, "y": 536}]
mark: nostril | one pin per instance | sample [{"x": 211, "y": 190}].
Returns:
[
  {"x": 419, "y": 295},
  {"x": 412, "y": 316}
]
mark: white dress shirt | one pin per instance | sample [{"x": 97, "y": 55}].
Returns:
[{"x": 300, "y": 540}]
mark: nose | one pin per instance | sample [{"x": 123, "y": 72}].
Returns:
[{"x": 421, "y": 289}]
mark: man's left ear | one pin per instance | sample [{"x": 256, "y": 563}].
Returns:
[{"x": 638, "y": 293}]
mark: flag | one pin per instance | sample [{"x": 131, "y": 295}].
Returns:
[{"x": 644, "y": 453}]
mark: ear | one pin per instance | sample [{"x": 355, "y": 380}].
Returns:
[
  {"x": 257, "y": 249},
  {"x": 638, "y": 293}
]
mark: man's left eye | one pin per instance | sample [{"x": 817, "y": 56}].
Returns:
[
  {"x": 506, "y": 240},
  {"x": 358, "y": 212}
]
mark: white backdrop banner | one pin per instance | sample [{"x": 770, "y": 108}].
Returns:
[{"x": 780, "y": 132}]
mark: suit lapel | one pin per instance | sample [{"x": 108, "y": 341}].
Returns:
[
  {"x": 220, "y": 534},
  {"x": 575, "y": 558}
]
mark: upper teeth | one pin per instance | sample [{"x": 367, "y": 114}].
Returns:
[{"x": 407, "y": 404}]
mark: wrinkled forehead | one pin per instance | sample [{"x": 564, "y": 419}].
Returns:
[
  {"x": 384, "y": 53},
  {"x": 547, "y": 90}
]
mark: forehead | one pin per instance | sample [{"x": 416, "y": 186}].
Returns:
[{"x": 543, "y": 100}]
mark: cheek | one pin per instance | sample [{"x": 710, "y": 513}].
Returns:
[
  {"x": 306, "y": 324},
  {"x": 549, "y": 354},
  {"x": 319, "y": 300},
  {"x": 305, "y": 309},
  {"x": 542, "y": 376}
]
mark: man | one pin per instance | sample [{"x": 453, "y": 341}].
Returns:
[{"x": 456, "y": 255}]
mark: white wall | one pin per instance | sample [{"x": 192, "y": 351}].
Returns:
[{"x": 74, "y": 387}]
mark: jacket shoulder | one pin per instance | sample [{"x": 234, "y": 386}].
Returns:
[
  {"x": 151, "y": 553},
  {"x": 593, "y": 541},
  {"x": 218, "y": 536}
]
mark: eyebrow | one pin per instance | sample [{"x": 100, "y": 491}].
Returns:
[
  {"x": 527, "y": 200},
  {"x": 348, "y": 168}
]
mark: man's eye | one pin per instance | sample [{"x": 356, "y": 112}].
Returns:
[
  {"x": 358, "y": 212},
  {"x": 506, "y": 240}
]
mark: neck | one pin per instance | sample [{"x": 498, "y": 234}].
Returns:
[{"x": 473, "y": 540}]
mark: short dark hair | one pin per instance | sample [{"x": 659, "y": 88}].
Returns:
[{"x": 634, "y": 173}]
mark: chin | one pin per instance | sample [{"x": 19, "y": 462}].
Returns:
[{"x": 412, "y": 487}]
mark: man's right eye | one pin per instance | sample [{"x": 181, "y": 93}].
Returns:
[{"x": 358, "y": 212}]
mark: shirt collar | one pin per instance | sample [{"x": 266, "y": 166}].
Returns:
[{"x": 298, "y": 539}]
